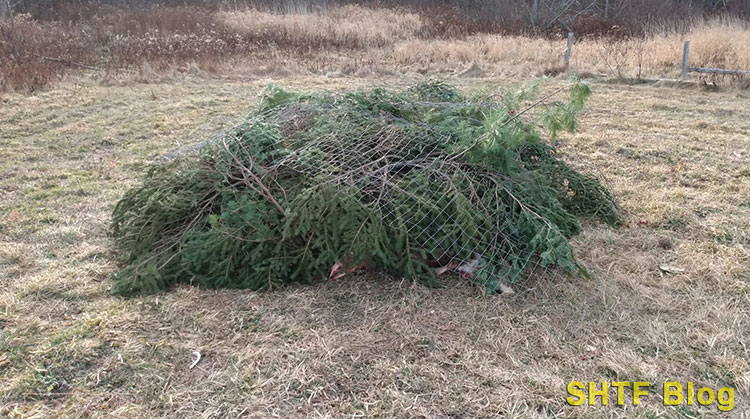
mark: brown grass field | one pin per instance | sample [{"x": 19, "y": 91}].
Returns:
[
  {"x": 166, "y": 42},
  {"x": 676, "y": 158}
]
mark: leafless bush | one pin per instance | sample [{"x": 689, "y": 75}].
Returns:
[
  {"x": 615, "y": 51},
  {"x": 53, "y": 36},
  {"x": 20, "y": 49}
]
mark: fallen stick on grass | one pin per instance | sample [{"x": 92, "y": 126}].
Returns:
[{"x": 69, "y": 63}]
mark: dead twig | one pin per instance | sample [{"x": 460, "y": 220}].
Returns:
[
  {"x": 254, "y": 182},
  {"x": 68, "y": 62},
  {"x": 196, "y": 360}
]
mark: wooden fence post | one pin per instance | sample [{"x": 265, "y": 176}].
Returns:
[
  {"x": 567, "y": 51},
  {"x": 685, "y": 55}
]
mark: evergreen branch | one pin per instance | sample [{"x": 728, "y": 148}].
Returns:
[
  {"x": 368, "y": 176},
  {"x": 247, "y": 171},
  {"x": 511, "y": 119}
]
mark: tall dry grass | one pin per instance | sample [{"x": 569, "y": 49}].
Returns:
[
  {"x": 351, "y": 27},
  {"x": 719, "y": 42},
  {"x": 345, "y": 39}
]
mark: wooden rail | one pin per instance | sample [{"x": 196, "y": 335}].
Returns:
[
  {"x": 686, "y": 68},
  {"x": 719, "y": 71}
]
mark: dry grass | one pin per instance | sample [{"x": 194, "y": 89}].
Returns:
[
  {"x": 719, "y": 43},
  {"x": 370, "y": 345},
  {"x": 352, "y": 27},
  {"x": 350, "y": 40}
]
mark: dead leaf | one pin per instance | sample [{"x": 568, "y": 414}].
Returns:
[
  {"x": 505, "y": 290},
  {"x": 671, "y": 269},
  {"x": 590, "y": 353},
  {"x": 13, "y": 216}
]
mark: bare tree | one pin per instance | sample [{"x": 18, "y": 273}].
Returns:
[
  {"x": 4, "y": 10},
  {"x": 543, "y": 15},
  {"x": 540, "y": 14}
]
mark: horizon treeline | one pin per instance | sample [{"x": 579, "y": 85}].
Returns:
[{"x": 448, "y": 18}]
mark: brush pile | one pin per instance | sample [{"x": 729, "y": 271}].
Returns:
[{"x": 413, "y": 183}]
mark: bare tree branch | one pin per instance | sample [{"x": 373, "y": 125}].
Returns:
[{"x": 67, "y": 62}]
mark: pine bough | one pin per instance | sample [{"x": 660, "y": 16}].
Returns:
[{"x": 413, "y": 183}]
